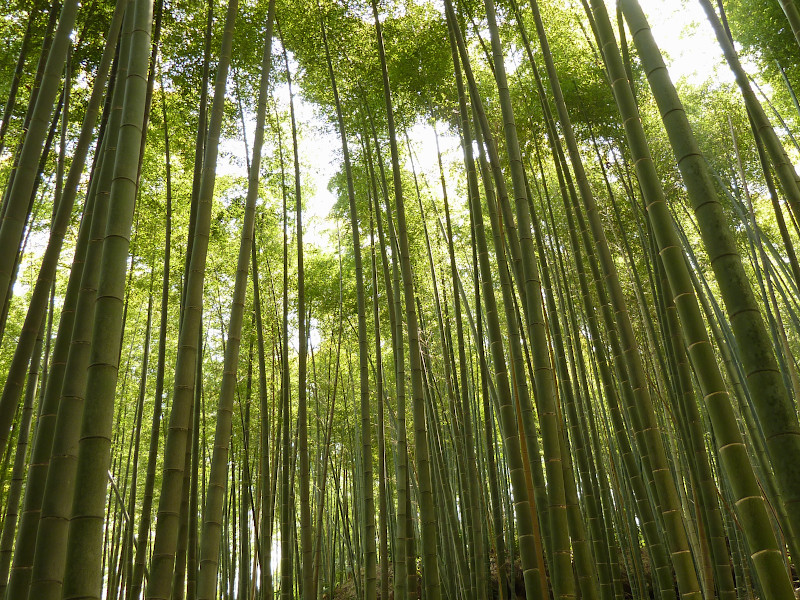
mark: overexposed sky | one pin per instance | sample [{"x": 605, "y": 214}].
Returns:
[{"x": 686, "y": 39}]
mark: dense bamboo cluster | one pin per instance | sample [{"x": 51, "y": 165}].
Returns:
[{"x": 559, "y": 360}]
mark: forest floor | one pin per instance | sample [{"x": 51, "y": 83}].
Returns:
[{"x": 347, "y": 590}]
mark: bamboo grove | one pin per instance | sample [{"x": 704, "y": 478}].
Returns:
[{"x": 544, "y": 344}]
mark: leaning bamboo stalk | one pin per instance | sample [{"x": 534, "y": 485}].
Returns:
[
  {"x": 82, "y": 577},
  {"x": 427, "y": 510},
  {"x": 750, "y": 503},
  {"x": 164, "y": 544},
  {"x": 777, "y": 414},
  {"x": 16, "y": 208},
  {"x": 214, "y": 502}
]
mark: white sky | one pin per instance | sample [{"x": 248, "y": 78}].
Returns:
[{"x": 686, "y": 39}]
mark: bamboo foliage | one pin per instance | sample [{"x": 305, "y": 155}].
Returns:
[{"x": 567, "y": 368}]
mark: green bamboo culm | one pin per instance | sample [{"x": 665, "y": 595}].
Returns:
[
  {"x": 424, "y": 481},
  {"x": 784, "y": 169},
  {"x": 12, "y": 500},
  {"x": 12, "y": 387},
  {"x": 524, "y": 516},
  {"x": 162, "y": 563},
  {"x": 51, "y": 538},
  {"x": 773, "y": 405},
  {"x": 83, "y": 574},
  {"x": 303, "y": 463},
  {"x": 636, "y": 393},
  {"x": 215, "y": 498},
  {"x": 496, "y": 192},
  {"x": 777, "y": 414},
  {"x": 793, "y": 16},
  {"x": 26, "y": 537},
  {"x": 370, "y": 550},
  {"x": 750, "y": 504},
  {"x": 15, "y": 212},
  {"x": 478, "y": 548},
  {"x": 546, "y": 401}
]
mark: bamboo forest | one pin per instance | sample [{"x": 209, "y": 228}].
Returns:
[{"x": 410, "y": 299}]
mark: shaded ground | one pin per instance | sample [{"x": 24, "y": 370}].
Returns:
[{"x": 348, "y": 591}]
